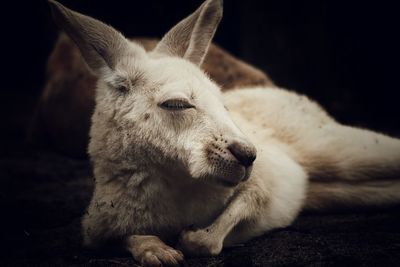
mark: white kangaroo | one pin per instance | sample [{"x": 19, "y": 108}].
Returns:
[{"x": 175, "y": 160}]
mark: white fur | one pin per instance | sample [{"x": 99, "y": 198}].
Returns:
[{"x": 161, "y": 171}]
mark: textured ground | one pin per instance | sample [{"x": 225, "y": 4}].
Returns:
[{"x": 43, "y": 194}]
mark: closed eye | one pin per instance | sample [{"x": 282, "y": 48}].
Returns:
[{"x": 176, "y": 104}]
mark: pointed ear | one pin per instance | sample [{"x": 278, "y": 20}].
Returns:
[
  {"x": 191, "y": 37},
  {"x": 100, "y": 45}
]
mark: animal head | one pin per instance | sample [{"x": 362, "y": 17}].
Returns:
[{"x": 158, "y": 108}]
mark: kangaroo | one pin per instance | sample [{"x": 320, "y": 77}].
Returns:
[{"x": 178, "y": 162}]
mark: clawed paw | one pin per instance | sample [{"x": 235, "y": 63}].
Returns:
[
  {"x": 162, "y": 256},
  {"x": 199, "y": 242}
]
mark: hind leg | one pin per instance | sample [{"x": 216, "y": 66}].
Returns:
[{"x": 271, "y": 198}]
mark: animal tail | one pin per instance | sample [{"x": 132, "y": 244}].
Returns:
[
  {"x": 342, "y": 194},
  {"x": 352, "y": 167}
]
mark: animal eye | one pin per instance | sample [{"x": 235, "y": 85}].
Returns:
[
  {"x": 122, "y": 88},
  {"x": 176, "y": 104}
]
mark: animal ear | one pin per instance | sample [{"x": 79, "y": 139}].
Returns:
[
  {"x": 191, "y": 37},
  {"x": 100, "y": 45}
]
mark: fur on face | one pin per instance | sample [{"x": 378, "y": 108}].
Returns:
[
  {"x": 165, "y": 109},
  {"x": 159, "y": 107}
]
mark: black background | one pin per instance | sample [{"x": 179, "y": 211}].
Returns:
[{"x": 342, "y": 53}]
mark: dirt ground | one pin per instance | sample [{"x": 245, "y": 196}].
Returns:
[{"x": 43, "y": 194}]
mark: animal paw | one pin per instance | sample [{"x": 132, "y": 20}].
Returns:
[
  {"x": 157, "y": 256},
  {"x": 199, "y": 242}
]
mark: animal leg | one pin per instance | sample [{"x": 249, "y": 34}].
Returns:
[
  {"x": 271, "y": 198},
  {"x": 150, "y": 251}
]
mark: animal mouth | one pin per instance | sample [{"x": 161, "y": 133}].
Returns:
[
  {"x": 227, "y": 182},
  {"x": 229, "y": 171},
  {"x": 247, "y": 173}
]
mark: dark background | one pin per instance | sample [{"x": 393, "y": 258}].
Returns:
[
  {"x": 342, "y": 53},
  {"x": 345, "y": 54}
]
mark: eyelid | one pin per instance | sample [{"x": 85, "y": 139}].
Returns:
[
  {"x": 122, "y": 88},
  {"x": 119, "y": 85},
  {"x": 181, "y": 103}
]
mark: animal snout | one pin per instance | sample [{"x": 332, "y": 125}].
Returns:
[{"x": 245, "y": 153}]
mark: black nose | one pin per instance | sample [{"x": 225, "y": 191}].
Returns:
[{"x": 245, "y": 154}]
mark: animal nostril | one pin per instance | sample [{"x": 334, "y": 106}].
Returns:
[{"x": 243, "y": 153}]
